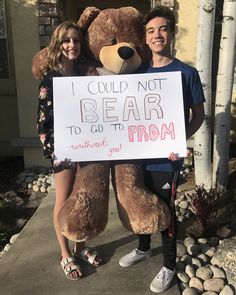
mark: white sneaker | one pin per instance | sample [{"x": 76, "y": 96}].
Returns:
[
  {"x": 162, "y": 280},
  {"x": 134, "y": 257}
]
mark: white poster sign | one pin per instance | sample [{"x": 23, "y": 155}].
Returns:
[{"x": 115, "y": 117}]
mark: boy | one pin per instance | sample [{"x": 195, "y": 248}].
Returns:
[{"x": 160, "y": 174}]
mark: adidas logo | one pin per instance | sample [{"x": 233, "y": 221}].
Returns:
[{"x": 166, "y": 186}]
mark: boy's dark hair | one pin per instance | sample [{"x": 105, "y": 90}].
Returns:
[{"x": 161, "y": 11}]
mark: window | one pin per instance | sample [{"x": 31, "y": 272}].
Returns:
[
  {"x": 4, "y": 53},
  {"x": 7, "y": 81}
]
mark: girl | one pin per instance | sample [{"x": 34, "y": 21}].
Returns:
[{"x": 63, "y": 55}]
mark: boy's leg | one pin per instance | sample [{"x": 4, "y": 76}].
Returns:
[
  {"x": 144, "y": 242},
  {"x": 169, "y": 249},
  {"x": 160, "y": 183}
]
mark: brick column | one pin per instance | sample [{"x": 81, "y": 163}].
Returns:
[
  {"x": 50, "y": 14},
  {"x": 169, "y": 3}
]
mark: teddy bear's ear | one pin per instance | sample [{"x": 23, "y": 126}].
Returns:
[
  {"x": 39, "y": 63},
  {"x": 87, "y": 17}
]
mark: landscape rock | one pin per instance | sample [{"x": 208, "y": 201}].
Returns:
[
  {"x": 226, "y": 258},
  {"x": 214, "y": 285},
  {"x": 183, "y": 277},
  {"x": 217, "y": 272},
  {"x": 20, "y": 223},
  {"x": 203, "y": 258},
  {"x": 13, "y": 238},
  {"x": 190, "y": 291},
  {"x": 190, "y": 271},
  {"x": 193, "y": 250},
  {"x": 181, "y": 249},
  {"x": 197, "y": 284},
  {"x": 227, "y": 290},
  {"x": 204, "y": 273}
]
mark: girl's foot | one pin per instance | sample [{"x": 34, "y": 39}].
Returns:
[
  {"x": 71, "y": 268},
  {"x": 89, "y": 256}
]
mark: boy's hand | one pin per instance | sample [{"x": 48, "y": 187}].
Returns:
[{"x": 175, "y": 157}]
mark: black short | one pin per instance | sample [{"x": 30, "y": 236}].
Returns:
[{"x": 58, "y": 166}]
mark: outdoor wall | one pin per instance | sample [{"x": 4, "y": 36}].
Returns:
[
  {"x": 25, "y": 42},
  {"x": 9, "y": 125},
  {"x": 187, "y": 19}
]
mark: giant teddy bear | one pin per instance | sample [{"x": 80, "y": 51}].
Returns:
[{"x": 113, "y": 37}]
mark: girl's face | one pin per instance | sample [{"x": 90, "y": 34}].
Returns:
[{"x": 71, "y": 46}]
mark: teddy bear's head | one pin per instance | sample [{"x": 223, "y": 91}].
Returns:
[{"x": 115, "y": 37}]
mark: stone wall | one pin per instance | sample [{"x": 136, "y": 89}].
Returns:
[
  {"x": 50, "y": 14},
  {"x": 169, "y": 3}
]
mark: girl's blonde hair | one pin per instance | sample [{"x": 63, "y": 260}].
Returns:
[{"x": 54, "y": 50}]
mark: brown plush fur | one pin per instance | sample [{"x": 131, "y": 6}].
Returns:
[
  {"x": 139, "y": 210},
  {"x": 114, "y": 25},
  {"x": 85, "y": 213},
  {"x": 39, "y": 63}
]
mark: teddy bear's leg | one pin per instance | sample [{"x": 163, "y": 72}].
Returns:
[
  {"x": 85, "y": 212},
  {"x": 139, "y": 210}
]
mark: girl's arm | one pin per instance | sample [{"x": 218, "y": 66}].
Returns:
[{"x": 45, "y": 117}]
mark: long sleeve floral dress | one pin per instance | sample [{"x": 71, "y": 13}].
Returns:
[{"x": 45, "y": 114}]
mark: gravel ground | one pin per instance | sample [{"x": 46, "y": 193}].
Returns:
[{"x": 16, "y": 205}]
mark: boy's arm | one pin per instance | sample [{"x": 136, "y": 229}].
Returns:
[
  {"x": 196, "y": 120},
  {"x": 194, "y": 124}
]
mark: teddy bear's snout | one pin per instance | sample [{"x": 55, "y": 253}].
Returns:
[{"x": 125, "y": 52}]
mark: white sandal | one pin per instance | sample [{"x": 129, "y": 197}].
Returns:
[
  {"x": 69, "y": 269},
  {"x": 88, "y": 256}
]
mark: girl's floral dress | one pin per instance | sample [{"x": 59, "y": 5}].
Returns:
[{"x": 45, "y": 114}]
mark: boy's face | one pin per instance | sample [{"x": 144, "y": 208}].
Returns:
[{"x": 158, "y": 36}]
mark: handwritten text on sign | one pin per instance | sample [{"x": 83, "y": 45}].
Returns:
[{"x": 119, "y": 117}]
